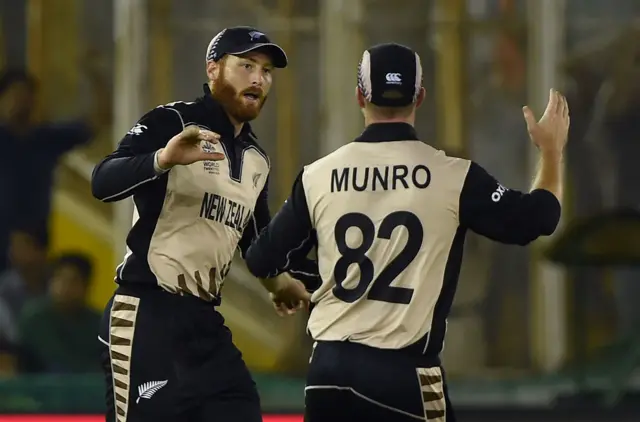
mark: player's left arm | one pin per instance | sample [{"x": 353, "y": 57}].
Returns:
[
  {"x": 505, "y": 215},
  {"x": 261, "y": 228},
  {"x": 284, "y": 243}
]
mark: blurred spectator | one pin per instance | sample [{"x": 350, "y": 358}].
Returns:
[
  {"x": 31, "y": 151},
  {"x": 27, "y": 278},
  {"x": 58, "y": 333}
]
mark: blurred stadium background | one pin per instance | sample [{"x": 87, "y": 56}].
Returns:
[{"x": 550, "y": 332}]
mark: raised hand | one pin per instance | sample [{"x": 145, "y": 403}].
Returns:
[
  {"x": 185, "y": 148},
  {"x": 550, "y": 133}
]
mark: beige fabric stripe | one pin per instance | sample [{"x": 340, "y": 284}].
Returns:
[
  {"x": 432, "y": 388},
  {"x": 124, "y": 312}
]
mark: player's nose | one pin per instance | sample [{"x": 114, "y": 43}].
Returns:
[{"x": 257, "y": 80}]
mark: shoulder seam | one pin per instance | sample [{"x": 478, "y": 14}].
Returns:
[{"x": 178, "y": 113}]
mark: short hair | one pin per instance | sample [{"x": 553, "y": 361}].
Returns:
[{"x": 77, "y": 260}]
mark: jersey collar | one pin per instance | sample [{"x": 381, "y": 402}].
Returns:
[
  {"x": 223, "y": 124},
  {"x": 386, "y": 132}
]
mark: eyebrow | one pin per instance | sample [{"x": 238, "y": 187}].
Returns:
[{"x": 251, "y": 59}]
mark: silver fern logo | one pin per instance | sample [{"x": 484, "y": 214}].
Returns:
[
  {"x": 256, "y": 35},
  {"x": 148, "y": 389}
]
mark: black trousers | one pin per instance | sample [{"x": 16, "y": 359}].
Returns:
[
  {"x": 170, "y": 358},
  {"x": 349, "y": 382}
]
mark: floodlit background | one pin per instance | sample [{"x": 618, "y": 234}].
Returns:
[{"x": 554, "y": 327}]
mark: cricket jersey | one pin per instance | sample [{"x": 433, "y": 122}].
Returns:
[
  {"x": 388, "y": 215},
  {"x": 188, "y": 221}
]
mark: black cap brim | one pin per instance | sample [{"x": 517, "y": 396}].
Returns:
[{"x": 277, "y": 54}]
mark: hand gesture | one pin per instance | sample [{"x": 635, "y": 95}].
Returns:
[
  {"x": 549, "y": 134},
  {"x": 185, "y": 148},
  {"x": 290, "y": 295}
]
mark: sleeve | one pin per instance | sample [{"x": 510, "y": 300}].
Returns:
[
  {"x": 260, "y": 220},
  {"x": 131, "y": 165},
  {"x": 66, "y": 136},
  {"x": 504, "y": 215},
  {"x": 283, "y": 245}
]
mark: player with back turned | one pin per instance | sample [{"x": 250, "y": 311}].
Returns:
[
  {"x": 388, "y": 214},
  {"x": 198, "y": 179}
]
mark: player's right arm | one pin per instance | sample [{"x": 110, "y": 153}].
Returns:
[
  {"x": 131, "y": 165},
  {"x": 156, "y": 143}
]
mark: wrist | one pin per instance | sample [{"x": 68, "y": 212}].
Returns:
[
  {"x": 271, "y": 284},
  {"x": 274, "y": 284},
  {"x": 551, "y": 154},
  {"x": 159, "y": 163}
]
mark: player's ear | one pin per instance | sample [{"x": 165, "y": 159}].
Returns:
[
  {"x": 360, "y": 97},
  {"x": 421, "y": 95},
  {"x": 213, "y": 68}
]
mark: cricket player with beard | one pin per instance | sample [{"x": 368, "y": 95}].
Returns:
[{"x": 198, "y": 179}]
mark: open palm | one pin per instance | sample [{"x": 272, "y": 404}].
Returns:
[{"x": 551, "y": 131}]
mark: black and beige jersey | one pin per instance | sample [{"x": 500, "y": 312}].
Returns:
[
  {"x": 188, "y": 221},
  {"x": 388, "y": 215}
]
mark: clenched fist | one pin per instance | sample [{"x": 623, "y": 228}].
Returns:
[{"x": 287, "y": 294}]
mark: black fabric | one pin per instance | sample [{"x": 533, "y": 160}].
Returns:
[
  {"x": 151, "y": 360},
  {"x": 242, "y": 39},
  {"x": 393, "y": 74},
  {"x": 388, "y": 132},
  {"x": 284, "y": 244},
  {"x": 505, "y": 215},
  {"x": 189, "y": 347},
  {"x": 366, "y": 384}
]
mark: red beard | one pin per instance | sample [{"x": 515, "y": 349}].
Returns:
[{"x": 234, "y": 103}]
